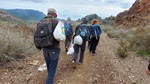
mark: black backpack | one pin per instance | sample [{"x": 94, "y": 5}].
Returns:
[{"x": 43, "y": 36}]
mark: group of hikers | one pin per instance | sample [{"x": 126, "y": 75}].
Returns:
[
  {"x": 88, "y": 33},
  {"x": 45, "y": 40}
]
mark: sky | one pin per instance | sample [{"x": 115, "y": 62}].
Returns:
[{"x": 76, "y": 9}]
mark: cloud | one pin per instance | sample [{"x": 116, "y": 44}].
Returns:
[
  {"x": 35, "y": 1},
  {"x": 73, "y": 8}
]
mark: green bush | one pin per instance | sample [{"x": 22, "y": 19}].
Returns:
[
  {"x": 123, "y": 49},
  {"x": 14, "y": 45}
]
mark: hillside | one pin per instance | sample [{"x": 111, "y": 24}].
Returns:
[
  {"x": 27, "y": 14},
  {"x": 138, "y": 15},
  {"x": 93, "y": 16},
  {"x": 5, "y": 16},
  {"x": 106, "y": 21},
  {"x": 16, "y": 38}
]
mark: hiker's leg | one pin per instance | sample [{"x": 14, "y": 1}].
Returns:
[
  {"x": 69, "y": 41},
  {"x": 66, "y": 44},
  {"x": 53, "y": 59},
  {"x": 83, "y": 46},
  {"x": 95, "y": 45},
  {"x": 76, "y": 51},
  {"x": 91, "y": 45},
  {"x": 46, "y": 53}
]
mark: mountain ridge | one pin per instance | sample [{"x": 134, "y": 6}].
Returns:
[{"x": 27, "y": 14}]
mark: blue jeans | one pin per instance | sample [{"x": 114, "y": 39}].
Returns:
[
  {"x": 76, "y": 51},
  {"x": 51, "y": 58}
]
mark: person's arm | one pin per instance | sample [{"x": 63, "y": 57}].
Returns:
[
  {"x": 89, "y": 30},
  {"x": 71, "y": 27},
  {"x": 75, "y": 33},
  {"x": 76, "y": 30},
  {"x": 54, "y": 23},
  {"x": 100, "y": 30}
]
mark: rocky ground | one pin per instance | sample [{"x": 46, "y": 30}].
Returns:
[{"x": 106, "y": 67}]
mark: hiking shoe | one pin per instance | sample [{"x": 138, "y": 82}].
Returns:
[
  {"x": 66, "y": 50},
  {"x": 74, "y": 64},
  {"x": 80, "y": 63},
  {"x": 93, "y": 54},
  {"x": 88, "y": 47}
]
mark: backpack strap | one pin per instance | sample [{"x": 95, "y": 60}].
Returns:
[
  {"x": 49, "y": 21},
  {"x": 69, "y": 23},
  {"x": 65, "y": 23}
]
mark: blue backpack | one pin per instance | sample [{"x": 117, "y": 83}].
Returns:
[
  {"x": 67, "y": 28},
  {"x": 96, "y": 31},
  {"x": 82, "y": 31}
]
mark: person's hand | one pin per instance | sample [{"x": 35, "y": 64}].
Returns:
[
  {"x": 38, "y": 48},
  {"x": 147, "y": 71}
]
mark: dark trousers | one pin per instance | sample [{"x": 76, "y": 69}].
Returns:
[
  {"x": 51, "y": 58},
  {"x": 94, "y": 43},
  {"x": 89, "y": 43},
  {"x": 76, "y": 51},
  {"x": 68, "y": 41}
]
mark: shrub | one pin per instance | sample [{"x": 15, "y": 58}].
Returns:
[
  {"x": 143, "y": 53},
  {"x": 141, "y": 39},
  {"x": 107, "y": 28},
  {"x": 14, "y": 45},
  {"x": 124, "y": 48},
  {"x": 116, "y": 34}
]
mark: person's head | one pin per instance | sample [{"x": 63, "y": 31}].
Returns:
[
  {"x": 52, "y": 12},
  {"x": 69, "y": 19},
  {"x": 94, "y": 21},
  {"x": 85, "y": 20}
]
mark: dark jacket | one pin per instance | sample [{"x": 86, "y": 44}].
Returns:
[{"x": 56, "y": 45}]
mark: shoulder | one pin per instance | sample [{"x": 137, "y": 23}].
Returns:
[
  {"x": 78, "y": 25},
  {"x": 54, "y": 20}
]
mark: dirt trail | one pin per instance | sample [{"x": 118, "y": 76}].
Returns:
[
  {"x": 106, "y": 67},
  {"x": 77, "y": 76}
]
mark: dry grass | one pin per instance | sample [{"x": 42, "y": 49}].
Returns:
[
  {"x": 106, "y": 28},
  {"x": 141, "y": 40},
  {"x": 15, "y": 44},
  {"x": 117, "y": 34}
]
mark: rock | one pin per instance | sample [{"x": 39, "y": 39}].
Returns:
[
  {"x": 138, "y": 11},
  {"x": 34, "y": 62},
  {"x": 20, "y": 67},
  {"x": 27, "y": 79}
]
